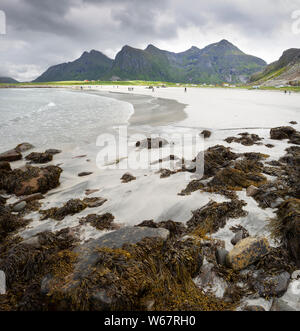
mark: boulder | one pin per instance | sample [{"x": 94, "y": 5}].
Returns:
[
  {"x": 283, "y": 132},
  {"x": 30, "y": 180},
  {"x": 206, "y": 134},
  {"x": 126, "y": 178},
  {"x": 2, "y": 283},
  {"x": 39, "y": 157},
  {"x": 10, "y": 156},
  {"x": 53, "y": 151},
  {"x": 19, "y": 206},
  {"x": 271, "y": 286},
  {"x": 24, "y": 147},
  {"x": 247, "y": 251}
]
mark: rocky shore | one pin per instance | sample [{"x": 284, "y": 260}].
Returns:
[{"x": 155, "y": 265}]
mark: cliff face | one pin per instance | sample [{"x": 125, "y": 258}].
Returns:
[{"x": 285, "y": 71}]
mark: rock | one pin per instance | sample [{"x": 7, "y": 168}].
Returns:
[
  {"x": 151, "y": 143},
  {"x": 4, "y": 165},
  {"x": 2, "y": 283},
  {"x": 10, "y": 156},
  {"x": 19, "y": 206},
  {"x": 32, "y": 197},
  {"x": 39, "y": 157},
  {"x": 247, "y": 251},
  {"x": 213, "y": 216},
  {"x": 246, "y": 139},
  {"x": 221, "y": 256},
  {"x": 293, "y": 122},
  {"x": 126, "y": 178},
  {"x": 269, "y": 145},
  {"x": 287, "y": 227},
  {"x": 24, "y": 147},
  {"x": 31, "y": 180},
  {"x": 251, "y": 190},
  {"x": 82, "y": 174},
  {"x": 271, "y": 286},
  {"x": 100, "y": 222},
  {"x": 89, "y": 192},
  {"x": 206, "y": 133},
  {"x": 33, "y": 241},
  {"x": 237, "y": 237},
  {"x": 254, "y": 308},
  {"x": 283, "y": 132},
  {"x": 175, "y": 228},
  {"x": 281, "y": 305},
  {"x": 286, "y": 132},
  {"x": 296, "y": 274},
  {"x": 164, "y": 173},
  {"x": 53, "y": 151},
  {"x": 94, "y": 202}
]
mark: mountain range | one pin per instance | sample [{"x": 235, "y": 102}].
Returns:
[
  {"x": 285, "y": 71},
  {"x": 214, "y": 64},
  {"x": 7, "y": 80}
]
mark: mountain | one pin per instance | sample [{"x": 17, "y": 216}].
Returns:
[
  {"x": 91, "y": 65},
  {"x": 7, "y": 80},
  {"x": 282, "y": 72},
  {"x": 216, "y": 63}
]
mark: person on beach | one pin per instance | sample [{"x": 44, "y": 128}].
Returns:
[{"x": 185, "y": 90}]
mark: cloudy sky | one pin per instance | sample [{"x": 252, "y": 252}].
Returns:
[{"x": 40, "y": 33}]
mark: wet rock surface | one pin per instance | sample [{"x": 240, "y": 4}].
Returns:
[
  {"x": 206, "y": 134},
  {"x": 39, "y": 157},
  {"x": 245, "y": 139},
  {"x": 127, "y": 177},
  {"x": 247, "y": 251},
  {"x": 10, "y": 156},
  {"x": 286, "y": 132}
]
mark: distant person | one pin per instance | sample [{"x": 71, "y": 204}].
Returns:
[
  {"x": 185, "y": 90},
  {"x": 285, "y": 91},
  {"x": 81, "y": 87}
]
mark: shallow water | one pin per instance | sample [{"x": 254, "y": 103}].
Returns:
[{"x": 55, "y": 117}]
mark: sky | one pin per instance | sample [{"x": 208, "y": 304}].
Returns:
[{"x": 41, "y": 33}]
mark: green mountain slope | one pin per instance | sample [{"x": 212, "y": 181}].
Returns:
[
  {"x": 282, "y": 72},
  {"x": 7, "y": 80},
  {"x": 91, "y": 65},
  {"x": 216, "y": 63}
]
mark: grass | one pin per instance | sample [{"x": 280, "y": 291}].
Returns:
[{"x": 144, "y": 83}]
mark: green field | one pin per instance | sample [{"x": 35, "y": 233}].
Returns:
[{"x": 141, "y": 83}]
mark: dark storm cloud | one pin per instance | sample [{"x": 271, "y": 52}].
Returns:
[{"x": 42, "y": 32}]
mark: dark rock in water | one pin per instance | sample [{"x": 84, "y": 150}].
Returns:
[
  {"x": 271, "y": 286},
  {"x": 213, "y": 216},
  {"x": 206, "y": 133},
  {"x": 82, "y": 174},
  {"x": 10, "y": 156},
  {"x": 24, "y": 147},
  {"x": 293, "y": 122},
  {"x": 151, "y": 143},
  {"x": 126, "y": 178},
  {"x": 53, "y": 151},
  {"x": 269, "y": 145},
  {"x": 4, "y": 165},
  {"x": 254, "y": 308},
  {"x": 281, "y": 305},
  {"x": 39, "y": 157},
  {"x": 221, "y": 256},
  {"x": 283, "y": 132},
  {"x": 286, "y": 132},
  {"x": 89, "y": 192},
  {"x": 164, "y": 173},
  {"x": 29, "y": 180},
  {"x": 100, "y": 222},
  {"x": 192, "y": 186},
  {"x": 175, "y": 228},
  {"x": 247, "y": 252},
  {"x": 32, "y": 197},
  {"x": 246, "y": 139},
  {"x": 287, "y": 227}
]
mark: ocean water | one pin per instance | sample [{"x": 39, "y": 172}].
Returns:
[{"x": 57, "y": 117}]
